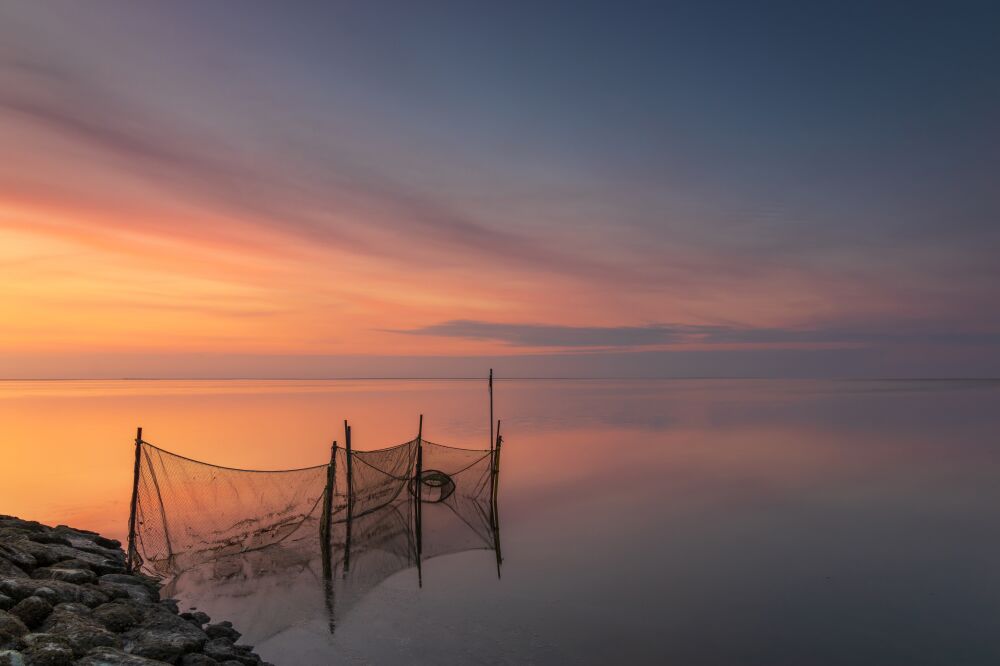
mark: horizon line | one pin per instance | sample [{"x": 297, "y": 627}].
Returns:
[{"x": 496, "y": 378}]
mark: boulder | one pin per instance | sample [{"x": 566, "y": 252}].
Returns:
[
  {"x": 73, "y": 607},
  {"x": 163, "y": 635},
  {"x": 223, "y": 630},
  {"x": 195, "y": 659},
  {"x": 171, "y": 604},
  {"x": 94, "y": 595},
  {"x": 11, "y": 658},
  {"x": 48, "y": 537},
  {"x": 32, "y": 611},
  {"x": 53, "y": 591},
  {"x": 197, "y": 618},
  {"x": 81, "y": 631},
  {"x": 77, "y": 576},
  {"x": 137, "y": 588},
  {"x": 222, "y": 649},
  {"x": 26, "y": 525},
  {"x": 113, "y": 657},
  {"x": 47, "y": 650},
  {"x": 6, "y": 603},
  {"x": 118, "y": 617},
  {"x": 10, "y": 570},
  {"x": 24, "y": 560},
  {"x": 48, "y": 554},
  {"x": 11, "y": 628}
]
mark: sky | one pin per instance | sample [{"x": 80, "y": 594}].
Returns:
[{"x": 258, "y": 189}]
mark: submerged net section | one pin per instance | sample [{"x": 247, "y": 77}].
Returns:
[
  {"x": 377, "y": 478},
  {"x": 456, "y": 493},
  {"x": 188, "y": 512}
]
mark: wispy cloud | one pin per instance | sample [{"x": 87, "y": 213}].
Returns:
[
  {"x": 652, "y": 335},
  {"x": 325, "y": 197}
]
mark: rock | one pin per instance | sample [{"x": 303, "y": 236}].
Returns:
[
  {"x": 93, "y": 595},
  {"x": 22, "y": 559},
  {"x": 72, "y": 588},
  {"x": 195, "y": 659},
  {"x": 223, "y": 630},
  {"x": 53, "y": 591},
  {"x": 137, "y": 588},
  {"x": 32, "y": 611},
  {"x": 73, "y": 563},
  {"x": 48, "y": 537},
  {"x": 129, "y": 579},
  {"x": 47, "y": 650},
  {"x": 170, "y": 604},
  {"x": 79, "y": 609},
  {"x": 197, "y": 618},
  {"x": 112, "y": 592},
  {"x": 118, "y": 617},
  {"x": 113, "y": 657},
  {"x": 10, "y": 570},
  {"x": 163, "y": 635},
  {"x": 11, "y": 658},
  {"x": 11, "y": 627},
  {"x": 81, "y": 631},
  {"x": 222, "y": 649},
  {"x": 47, "y": 593},
  {"x": 26, "y": 525},
  {"x": 93, "y": 543},
  {"x": 110, "y": 544},
  {"x": 48, "y": 554},
  {"x": 69, "y": 575}
]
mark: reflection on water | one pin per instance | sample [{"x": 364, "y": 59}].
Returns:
[
  {"x": 686, "y": 522},
  {"x": 306, "y": 582}
]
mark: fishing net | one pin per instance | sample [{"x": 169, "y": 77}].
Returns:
[
  {"x": 362, "y": 506},
  {"x": 455, "y": 493},
  {"x": 189, "y": 511}
]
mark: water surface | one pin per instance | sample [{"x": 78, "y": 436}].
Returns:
[{"x": 686, "y": 522}]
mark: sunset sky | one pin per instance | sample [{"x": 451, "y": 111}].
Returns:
[{"x": 215, "y": 189}]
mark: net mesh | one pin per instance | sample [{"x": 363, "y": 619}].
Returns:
[
  {"x": 189, "y": 513},
  {"x": 187, "y": 510}
]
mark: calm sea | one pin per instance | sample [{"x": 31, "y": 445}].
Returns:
[{"x": 681, "y": 522}]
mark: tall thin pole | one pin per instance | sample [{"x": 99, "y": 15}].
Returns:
[
  {"x": 491, "y": 409},
  {"x": 350, "y": 498},
  {"x": 494, "y": 502},
  {"x": 325, "y": 545},
  {"x": 324, "y": 528},
  {"x": 350, "y": 469},
  {"x": 133, "y": 551},
  {"x": 495, "y": 466},
  {"x": 494, "y": 511},
  {"x": 418, "y": 488}
]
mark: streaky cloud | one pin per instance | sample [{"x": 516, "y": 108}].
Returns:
[{"x": 651, "y": 335}]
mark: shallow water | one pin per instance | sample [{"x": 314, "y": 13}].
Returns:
[{"x": 687, "y": 522}]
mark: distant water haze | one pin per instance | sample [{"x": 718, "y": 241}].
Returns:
[{"x": 694, "y": 521}]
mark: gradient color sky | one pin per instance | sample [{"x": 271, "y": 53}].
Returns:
[{"x": 393, "y": 189}]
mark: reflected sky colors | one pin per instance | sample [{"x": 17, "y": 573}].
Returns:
[
  {"x": 243, "y": 189},
  {"x": 683, "y": 521}
]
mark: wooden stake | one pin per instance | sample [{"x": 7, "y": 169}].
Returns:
[
  {"x": 325, "y": 545},
  {"x": 331, "y": 471},
  {"x": 133, "y": 551},
  {"x": 496, "y": 464},
  {"x": 491, "y": 409},
  {"x": 418, "y": 488},
  {"x": 350, "y": 469},
  {"x": 350, "y": 498}
]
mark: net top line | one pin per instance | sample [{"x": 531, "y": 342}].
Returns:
[{"x": 310, "y": 467}]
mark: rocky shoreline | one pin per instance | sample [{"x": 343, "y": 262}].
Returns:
[{"x": 67, "y": 598}]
